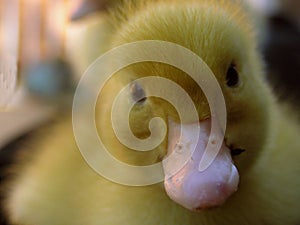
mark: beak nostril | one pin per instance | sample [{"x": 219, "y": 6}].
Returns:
[{"x": 237, "y": 151}]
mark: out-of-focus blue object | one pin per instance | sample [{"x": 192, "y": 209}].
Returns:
[{"x": 49, "y": 79}]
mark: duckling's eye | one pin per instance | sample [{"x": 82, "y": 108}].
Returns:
[
  {"x": 137, "y": 93},
  {"x": 232, "y": 77}
]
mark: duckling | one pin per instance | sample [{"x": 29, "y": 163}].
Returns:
[{"x": 252, "y": 180}]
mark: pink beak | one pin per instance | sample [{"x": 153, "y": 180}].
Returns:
[{"x": 190, "y": 187}]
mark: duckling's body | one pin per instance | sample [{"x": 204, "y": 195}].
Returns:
[{"x": 54, "y": 184}]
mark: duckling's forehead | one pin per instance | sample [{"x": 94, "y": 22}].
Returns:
[
  {"x": 172, "y": 74},
  {"x": 216, "y": 31}
]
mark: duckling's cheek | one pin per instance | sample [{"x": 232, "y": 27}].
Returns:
[{"x": 190, "y": 187}]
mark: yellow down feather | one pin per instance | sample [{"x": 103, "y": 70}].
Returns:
[{"x": 55, "y": 186}]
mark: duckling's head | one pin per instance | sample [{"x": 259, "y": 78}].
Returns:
[{"x": 219, "y": 33}]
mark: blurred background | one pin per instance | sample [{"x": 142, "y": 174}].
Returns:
[
  {"x": 41, "y": 48},
  {"x": 279, "y": 25},
  {"x": 45, "y": 46}
]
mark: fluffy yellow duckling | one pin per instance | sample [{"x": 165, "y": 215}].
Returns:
[{"x": 54, "y": 185}]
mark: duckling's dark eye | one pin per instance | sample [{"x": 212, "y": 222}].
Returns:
[
  {"x": 232, "y": 77},
  {"x": 137, "y": 93}
]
